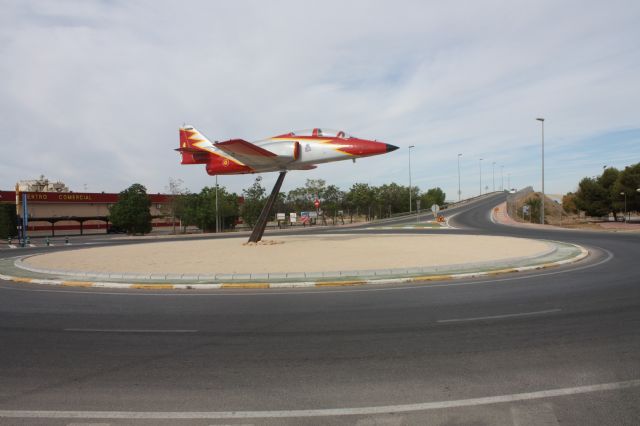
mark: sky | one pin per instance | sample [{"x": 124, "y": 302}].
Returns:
[{"x": 92, "y": 93}]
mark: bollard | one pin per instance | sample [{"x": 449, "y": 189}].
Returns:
[
  {"x": 9, "y": 240},
  {"x": 66, "y": 240},
  {"x": 28, "y": 242},
  {"x": 47, "y": 242}
]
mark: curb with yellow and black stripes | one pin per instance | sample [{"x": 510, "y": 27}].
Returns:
[{"x": 299, "y": 284}]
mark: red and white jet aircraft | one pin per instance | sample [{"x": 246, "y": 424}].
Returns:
[{"x": 300, "y": 150}]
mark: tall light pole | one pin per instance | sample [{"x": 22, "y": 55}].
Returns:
[
  {"x": 493, "y": 176},
  {"x": 480, "y": 162},
  {"x": 217, "y": 226},
  {"x": 501, "y": 178},
  {"x": 625, "y": 205},
  {"x": 410, "y": 146},
  {"x": 459, "y": 192},
  {"x": 542, "y": 203}
]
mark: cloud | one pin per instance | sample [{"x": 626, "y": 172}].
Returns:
[{"x": 93, "y": 92}]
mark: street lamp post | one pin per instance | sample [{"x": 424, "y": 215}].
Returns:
[
  {"x": 493, "y": 176},
  {"x": 625, "y": 205},
  {"x": 410, "y": 146},
  {"x": 480, "y": 162},
  {"x": 542, "y": 203},
  {"x": 217, "y": 226},
  {"x": 459, "y": 192}
]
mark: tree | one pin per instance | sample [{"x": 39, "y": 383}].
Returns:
[
  {"x": 608, "y": 181},
  {"x": 187, "y": 210},
  {"x": 431, "y": 197},
  {"x": 629, "y": 182},
  {"x": 254, "y": 201},
  {"x": 315, "y": 188},
  {"x": 332, "y": 201},
  {"x": 131, "y": 212},
  {"x": 535, "y": 204},
  {"x": 8, "y": 221},
  {"x": 592, "y": 197},
  {"x": 228, "y": 208},
  {"x": 177, "y": 200},
  {"x": 392, "y": 198},
  {"x": 569, "y": 203},
  {"x": 298, "y": 199},
  {"x": 361, "y": 198}
]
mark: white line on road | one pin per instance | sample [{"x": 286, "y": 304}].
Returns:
[
  {"x": 386, "y": 409},
  {"x": 522, "y": 314},
  {"x": 113, "y": 330}
]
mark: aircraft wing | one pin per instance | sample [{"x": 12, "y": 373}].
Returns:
[{"x": 248, "y": 153}]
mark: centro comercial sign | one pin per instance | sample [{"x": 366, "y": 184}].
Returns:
[{"x": 70, "y": 197}]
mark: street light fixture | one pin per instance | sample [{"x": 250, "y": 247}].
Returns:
[
  {"x": 480, "y": 162},
  {"x": 542, "y": 199},
  {"x": 493, "y": 176},
  {"x": 459, "y": 192},
  {"x": 410, "y": 146}
]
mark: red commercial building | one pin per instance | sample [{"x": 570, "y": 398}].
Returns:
[{"x": 69, "y": 213}]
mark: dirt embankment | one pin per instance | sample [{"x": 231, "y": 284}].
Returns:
[{"x": 554, "y": 214}]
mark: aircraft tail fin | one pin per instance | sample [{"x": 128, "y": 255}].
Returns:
[{"x": 193, "y": 146}]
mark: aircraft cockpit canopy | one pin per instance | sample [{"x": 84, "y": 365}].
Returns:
[{"x": 329, "y": 133}]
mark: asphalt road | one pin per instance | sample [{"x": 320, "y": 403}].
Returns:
[{"x": 561, "y": 346}]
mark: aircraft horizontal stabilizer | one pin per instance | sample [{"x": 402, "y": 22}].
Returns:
[{"x": 248, "y": 153}]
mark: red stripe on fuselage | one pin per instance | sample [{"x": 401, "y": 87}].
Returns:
[
  {"x": 352, "y": 146},
  {"x": 218, "y": 165}
]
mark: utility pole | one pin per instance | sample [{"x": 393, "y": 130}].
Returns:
[
  {"x": 542, "y": 203},
  {"x": 480, "y": 176},
  {"x": 410, "y": 146}
]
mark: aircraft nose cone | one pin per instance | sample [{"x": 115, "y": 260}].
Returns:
[{"x": 391, "y": 147}]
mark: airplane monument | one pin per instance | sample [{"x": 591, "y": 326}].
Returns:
[{"x": 300, "y": 150}]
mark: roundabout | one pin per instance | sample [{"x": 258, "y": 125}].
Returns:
[
  {"x": 294, "y": 261},
  {"x": 557, "y": 346}
]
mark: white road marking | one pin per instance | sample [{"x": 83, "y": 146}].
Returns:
[
  {"x": 327, "y": 412},
  {"x": 521, "y": 314},
  {"x": 88, "y": 424},
  {"x": 392, "y": 420},
  {"x": 113, "y": 330},
  {"x": 534, "y": 415},
  {"x": 232, "y": 424}
]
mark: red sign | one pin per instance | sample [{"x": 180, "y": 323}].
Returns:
[
  {"x": 316, "y": 203},
  {"x": 7, "y": 197}
]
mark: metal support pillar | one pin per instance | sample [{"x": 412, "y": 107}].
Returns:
[{"x": 258, "y": 229}]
